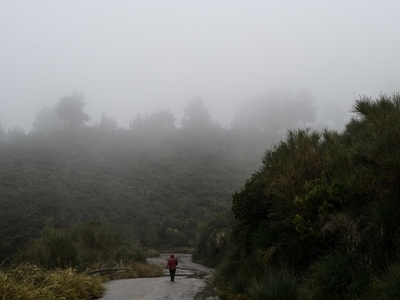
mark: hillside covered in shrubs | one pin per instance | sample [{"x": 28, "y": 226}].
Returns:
[{"x": 152, "y": 186}]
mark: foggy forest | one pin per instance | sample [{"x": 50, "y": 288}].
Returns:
[{"x": 261, "y": 138}]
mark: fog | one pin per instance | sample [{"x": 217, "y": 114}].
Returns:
[{"x": 131, "y": 57}]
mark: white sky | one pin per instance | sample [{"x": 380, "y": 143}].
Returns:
[{"x": 131, "y": 57}]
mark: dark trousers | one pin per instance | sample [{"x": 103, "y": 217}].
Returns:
[{"x": 172, "y": 274}]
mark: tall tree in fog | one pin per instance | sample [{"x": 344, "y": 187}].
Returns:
[
  {"x": 70, "y": 108},
  {"x": 196, "y": 115},
  {"x": 107, "y": 123},
  {"x": 48, "y": 121},
  {"x": 136, "y": 123},
  {"x": 2, "y": 132}
]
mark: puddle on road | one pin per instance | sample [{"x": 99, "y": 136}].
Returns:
[{"x": 197, "y": 275}]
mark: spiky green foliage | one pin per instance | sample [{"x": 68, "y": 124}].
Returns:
[
  {"x": 313, "y": 209},
  {"x": 255, "y": 278},
  {"x": 325, "y": 205},
  {"x": 275, "y": 285},
  {"x": 338, "y": 275},
  {"x": 386, "y": 286}
]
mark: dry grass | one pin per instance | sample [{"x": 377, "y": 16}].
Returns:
[
  {"x": 30, "y": 282},
  {"x": 136, "y": 270},
  {"x": 348, "y": 227}
]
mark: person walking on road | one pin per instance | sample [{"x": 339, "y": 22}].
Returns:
[{"x": 171, "y": 265}]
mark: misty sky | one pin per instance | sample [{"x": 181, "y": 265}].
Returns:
[{"x": 131, "y": 57}]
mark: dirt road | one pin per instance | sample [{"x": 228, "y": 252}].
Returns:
[{"x": 190, "y": 283}]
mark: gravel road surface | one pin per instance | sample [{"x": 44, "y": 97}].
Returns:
[{"x": 190, "y": 283}]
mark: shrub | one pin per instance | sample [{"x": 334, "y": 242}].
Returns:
[
  {"x": 152, "y": 253},
  {"x": 83, "y": 246},
  {"x": 277, "y": 284},
  {"x": 234, "y": 277},
  {"x": 387, "y": 286},
  {"x": 226, "y": 279},
  {"x": 54, "y": 249},
  {"x": 338, "y": 275}
]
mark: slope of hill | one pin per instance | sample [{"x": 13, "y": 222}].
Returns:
[{"x": 155, "y": 186}]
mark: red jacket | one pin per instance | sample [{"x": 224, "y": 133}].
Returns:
[{"x": 172, "y": 263}]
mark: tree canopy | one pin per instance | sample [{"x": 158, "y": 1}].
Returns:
[
  {"x": 70, "y": 108},
  {"x": 196, "y": 115},
  {"x": 107, "y": 123},
  {"x": 48, "y": 121}
]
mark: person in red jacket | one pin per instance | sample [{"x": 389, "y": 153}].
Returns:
[{"x": 171, "y": 265}]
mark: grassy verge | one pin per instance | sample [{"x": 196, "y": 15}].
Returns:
[
  {"x": 31, "y": 282},
  {"x": 27, "y": 281},
  {"x": 135, "y": 270}
]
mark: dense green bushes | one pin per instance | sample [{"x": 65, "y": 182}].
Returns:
[
  {"x": 321, "y": 219},
  {"x": 212, "y": 237},
  {"x": 83, "y": 246}
]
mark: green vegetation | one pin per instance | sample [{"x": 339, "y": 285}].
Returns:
[
  {"x": 60, "y": 259},
  {"x": 321, "y": 217},
  {"x": 153, "y": 186},
  {"x": 85, "y": 246},
  {"x": 88, "y": 198}
]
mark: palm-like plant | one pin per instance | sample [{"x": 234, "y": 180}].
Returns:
[{"x": 289, "y": 169}]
